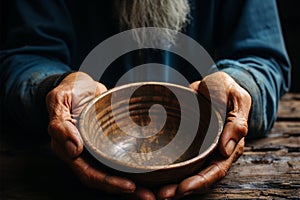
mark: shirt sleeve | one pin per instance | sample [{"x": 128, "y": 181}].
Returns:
[
  {"x": 36, "y": 42},
  {"x": 252, "y": 51}
]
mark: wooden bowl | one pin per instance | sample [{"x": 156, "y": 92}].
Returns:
[{"x": 159, "y": 154}]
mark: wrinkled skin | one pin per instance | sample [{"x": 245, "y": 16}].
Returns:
[
  {"x": 66, "y": 101},
  {"x": 225, "y": 91},
  {"x": 65, "y": 139}
]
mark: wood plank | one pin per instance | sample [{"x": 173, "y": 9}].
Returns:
[
  {"x": 290, "y": 96},
  {"x": 271, "y": 174},
  {"x": 260, "y": 175},
  {"x": 289, "y": 107},
  {"x": 285, "y": 129}
]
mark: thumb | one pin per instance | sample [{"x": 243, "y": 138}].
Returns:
[
  {"x": 236, "y": 123},
  {"x": 64, "y": 134},
  {"x": 67, "y": 138}
]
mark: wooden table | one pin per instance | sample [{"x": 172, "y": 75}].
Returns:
[{"x": 269, "y": 168}]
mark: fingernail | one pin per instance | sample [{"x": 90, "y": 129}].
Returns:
[
  {"x": 230, "y": 147},
  {"x": 70, "y": 148}
]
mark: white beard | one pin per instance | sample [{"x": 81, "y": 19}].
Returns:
[{"x": 172, "y": 15}]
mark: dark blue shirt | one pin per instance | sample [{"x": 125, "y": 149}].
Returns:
[{"x": 42, "y": 38}]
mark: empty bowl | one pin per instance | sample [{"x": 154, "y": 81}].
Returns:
[{"x": 151, "y": 132}]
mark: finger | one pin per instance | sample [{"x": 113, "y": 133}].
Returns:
[
  {"x": 67, "y": 135},
  {"x": 231, "y": 135},
  {"x": 236, "y": 124},
  {"x": 201, "y": 182},
  {"x": 195, "y": 85},
  {"x": 142, "y": 194},
  {"x": 201, "y": 88},
  {"x": 239, "y": 150},
  {"x": 214, "y": 93},
  {"x": 82, "y": 95},
  {"x": 97, "y": 179},
  {"x": 61, "y": 125},
  {"x": 100, "y": 88},
  {"x": 167, "y": 192}
]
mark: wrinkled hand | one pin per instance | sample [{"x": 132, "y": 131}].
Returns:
[
  {"x": 65, "y": 103},
  {"x": 224, "y": 91}
]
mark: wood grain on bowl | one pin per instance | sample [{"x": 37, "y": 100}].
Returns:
[{"x": 127, "y": 149}]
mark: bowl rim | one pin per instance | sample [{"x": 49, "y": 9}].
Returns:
[{"x": 95, "y": 152}]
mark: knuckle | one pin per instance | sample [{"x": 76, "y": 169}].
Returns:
[
  {"x": 51, "y": 95},
  {"x": 238, "y": 154},
  {"x": 240, "y": 147},
  {"x": 222, "y": 170},
  {"x": 242, "y": 128},
  {"x": 244, "y": 94},
  {"x": 57, "y": 94},
  {"x": 205, "y": 182},
  {"x": 239, "y": 150},
  {"x": 241, "y": 93}
]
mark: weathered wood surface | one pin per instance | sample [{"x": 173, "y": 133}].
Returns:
[
  {"x": 269, "y": 168},
  {"x": 289, "y": 108}
]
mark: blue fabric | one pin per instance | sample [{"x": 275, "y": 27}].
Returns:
[{"x": 42, "y": 38}]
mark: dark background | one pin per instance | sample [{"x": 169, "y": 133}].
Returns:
[{"x": 289, "y": 11}]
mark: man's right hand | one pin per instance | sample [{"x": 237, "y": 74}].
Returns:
[{"x": 64, "y": 104}]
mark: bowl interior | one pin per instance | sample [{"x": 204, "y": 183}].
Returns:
[{"x": 134, "y": 147}]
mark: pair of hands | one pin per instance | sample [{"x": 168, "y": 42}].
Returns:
[{"x": 66, "y": 101}]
